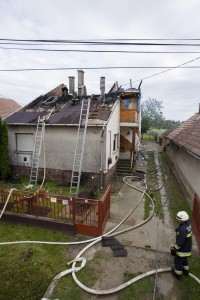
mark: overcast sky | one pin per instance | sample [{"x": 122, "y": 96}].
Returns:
[{"x": 178, "y": 89}]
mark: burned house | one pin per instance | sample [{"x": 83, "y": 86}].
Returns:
[{"x": 113, "y": 123}]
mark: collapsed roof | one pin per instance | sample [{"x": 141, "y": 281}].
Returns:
[{"x": 63, "y": 108}]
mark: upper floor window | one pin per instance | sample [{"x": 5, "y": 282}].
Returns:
[{"x": 127, "y": 103}]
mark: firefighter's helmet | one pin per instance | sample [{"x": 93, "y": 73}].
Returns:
[{"x": 182, "y": 216}]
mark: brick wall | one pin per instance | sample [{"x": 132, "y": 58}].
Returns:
[{"x": 62, "y": 176}]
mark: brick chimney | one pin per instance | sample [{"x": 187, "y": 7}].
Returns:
[
  {"x": 80, "y": 83},
  {"x": 71, "y": 84}
]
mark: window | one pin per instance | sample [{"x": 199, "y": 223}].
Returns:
[
  {"x": 116, "y": 141},
  {"x": 127, "y": 103},
  {"x": 24, "y": 142}
]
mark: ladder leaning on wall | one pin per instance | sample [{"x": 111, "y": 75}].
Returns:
[
  {"x": 37, "y": 150},
  {"x": 79, "y": 150}
]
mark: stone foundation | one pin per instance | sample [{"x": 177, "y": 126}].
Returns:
[{"x": 64, "y": 176}]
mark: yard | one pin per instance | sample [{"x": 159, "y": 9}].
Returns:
[{"x": 26, "y": 270}]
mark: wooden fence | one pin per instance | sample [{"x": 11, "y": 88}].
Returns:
[
  {"x": 196, "y": 218},
  {"x": 89, "y": 216}
]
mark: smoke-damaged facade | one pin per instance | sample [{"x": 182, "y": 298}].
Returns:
[{"x": 110, "y": 117}]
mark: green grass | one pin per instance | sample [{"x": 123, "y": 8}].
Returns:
[
  {"x": 189, "y": 289},
  {"x": 50, "y": 187},
  {"x": 147, "y": 137},
  {"x": 152, "y": 186},
  {"x": 27, "y": 270},
  {"x": 142, "y": 289},
  {"x": 175, "y": 195},
  {"x": 68, "y": 289}
]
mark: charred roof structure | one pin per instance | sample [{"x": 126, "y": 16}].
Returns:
[{"x": 63, "y": 108}]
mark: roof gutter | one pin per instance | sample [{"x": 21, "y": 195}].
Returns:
[{"x": 61, "y": 125}]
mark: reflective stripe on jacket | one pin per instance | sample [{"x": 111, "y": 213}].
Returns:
[{"x": 183, "y": 244}]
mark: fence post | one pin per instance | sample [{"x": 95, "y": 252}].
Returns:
[
  {"x": 73, "y": 209},
  {"x": 100, "y": 217}
]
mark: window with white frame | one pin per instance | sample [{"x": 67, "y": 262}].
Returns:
[{"x": 116, "y": 142}]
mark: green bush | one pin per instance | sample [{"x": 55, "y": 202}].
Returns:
[{"x": 4, "y": 158}]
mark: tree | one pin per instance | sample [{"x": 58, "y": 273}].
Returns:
[
  {"x": 152, "y": 116},
  {"x": 170, "y": 123},
  {"x": 145, "y": 126},
  {"x": 4, "y": 158},
  {"x": 152, "y": 113}
]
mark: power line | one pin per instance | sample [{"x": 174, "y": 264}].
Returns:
[
  {"x": 107, "y": 42},
  {"x": 98, "y": 68},
  {"x": 176, "y": 67},
  {"x": 96, "y": 51}
]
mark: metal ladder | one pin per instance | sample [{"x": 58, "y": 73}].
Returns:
[
  {"x": 37, "y": 149},
  {"x": 79, "y": 150}
]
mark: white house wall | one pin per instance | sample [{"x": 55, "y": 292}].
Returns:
[
  {"x": 60, "y": 145},
  {"x": 187, "y": 167},
  {"x": 112, "y": 128},
  {"x": 59, "y": 148}
]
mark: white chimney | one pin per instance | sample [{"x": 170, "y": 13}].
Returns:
[
  {"x": 80, "y": 83},
  {"x": 71, "y": 84}
]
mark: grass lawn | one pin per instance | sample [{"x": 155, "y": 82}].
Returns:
[
  {"x": 26, "y": 270},
  {"x": 49, "y": 186}
]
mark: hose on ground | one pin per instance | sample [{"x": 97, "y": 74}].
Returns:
[{"x": 93, "y": 241}]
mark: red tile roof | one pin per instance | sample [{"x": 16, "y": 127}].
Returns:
[
  {"x": 7, "y": 107},
  {"x": 187, "y": 135}
]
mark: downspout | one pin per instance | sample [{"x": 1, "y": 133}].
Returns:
[
  {"x": 101, "y": 158},
  {"x": 109, "y": 158}
]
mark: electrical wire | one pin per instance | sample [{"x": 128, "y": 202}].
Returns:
[
  {"x": 104, "y": 68},
  {"x": 107, "y": 42},
  {"x": 176, "y": 67},
  {"x": 98, "y": 51}
]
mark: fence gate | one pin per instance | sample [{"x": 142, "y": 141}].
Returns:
[
  {"x": 90, "y": 216},
  {"x": 86, "y": 216}
]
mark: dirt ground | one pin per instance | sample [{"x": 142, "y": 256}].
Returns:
[{"x": 147, "y": 246}]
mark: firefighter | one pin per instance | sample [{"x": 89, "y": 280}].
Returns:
[{"x": 183, "y": 246}]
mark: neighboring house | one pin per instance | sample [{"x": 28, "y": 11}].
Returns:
[
  {"x": 182, "y": 146},
  {"x": 7, "y": 107},
  {"x": 111, "y": 116}
]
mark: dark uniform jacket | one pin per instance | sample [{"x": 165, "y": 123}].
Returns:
[{"x": 183, "y": 244}]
